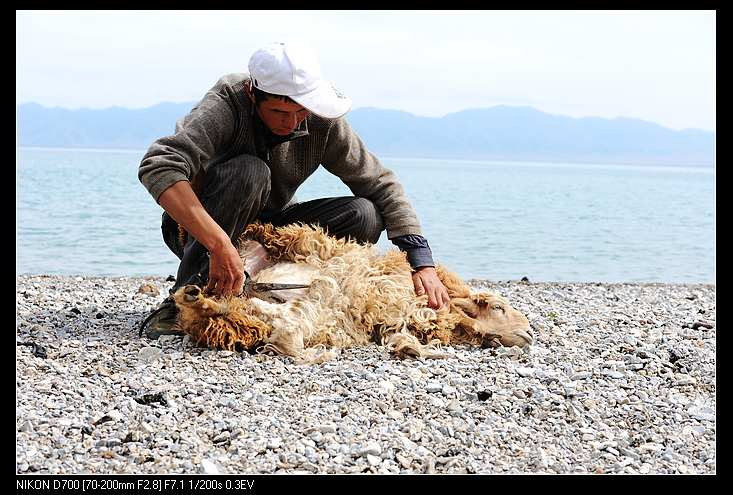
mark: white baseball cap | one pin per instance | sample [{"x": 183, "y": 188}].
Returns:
[{"x": 292, "y": 69}]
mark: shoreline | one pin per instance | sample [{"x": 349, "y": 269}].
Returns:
[
  {"x": 469, "y": 281},
  {"x": 621, "y": 379}
]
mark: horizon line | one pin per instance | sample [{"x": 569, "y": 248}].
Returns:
[{"x": 193, "y": 102}]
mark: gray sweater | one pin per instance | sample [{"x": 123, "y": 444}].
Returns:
[{"x": 221, "y": 127}]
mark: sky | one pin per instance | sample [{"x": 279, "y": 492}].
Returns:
[{"x": 657, "y": 66}]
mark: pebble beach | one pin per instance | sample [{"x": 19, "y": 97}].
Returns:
[{"x": 621, "y": 379}]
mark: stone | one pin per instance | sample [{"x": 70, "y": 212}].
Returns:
[
  {"x": 433, "y": 387},
  {"x": 386, "y": 387},
  {"x": 650, "y": 447},
  {"x": 454, "y": 406},
  {"x": 448, "y": 390},
  {"x": 403, "y": 461},
  {"x": 614, "y": 374},
  {"x": 148, "y": 354},
  {"x": 581, "y": 375},
  {"x": 209, "y": 466},
  {"x": 372, "y": 448},
  {"x": 683, "y": 380}
]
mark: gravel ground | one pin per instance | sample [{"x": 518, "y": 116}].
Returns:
[{"x": 621, "y": 379}]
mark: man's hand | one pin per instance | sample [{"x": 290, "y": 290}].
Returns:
[
  {"x": 226, "y": 271},
  {"x": 427, "y": 282}
]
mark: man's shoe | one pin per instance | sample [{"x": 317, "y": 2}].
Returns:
[{"x": 161, "y": 321}]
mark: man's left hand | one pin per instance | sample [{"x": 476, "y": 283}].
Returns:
[{"x": 426, "y": 281}]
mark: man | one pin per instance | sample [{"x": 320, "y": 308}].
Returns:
[{"x": 239, "y": 156}]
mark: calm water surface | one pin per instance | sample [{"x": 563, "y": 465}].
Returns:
[{"x": 84, "y": 212}]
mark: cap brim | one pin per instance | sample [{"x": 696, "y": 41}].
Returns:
[{"x": 324, "y": 101}]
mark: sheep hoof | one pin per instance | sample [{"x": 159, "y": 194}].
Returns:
[{"x": 191, "y": 293}]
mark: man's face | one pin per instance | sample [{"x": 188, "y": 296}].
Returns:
[{"x": 281, "y": 117}]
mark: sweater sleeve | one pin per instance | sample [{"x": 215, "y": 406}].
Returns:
[
  {"x": 417, "y": 250},
  {"x": 200, "y": 136},
  {"x": 347, "y": 157}
]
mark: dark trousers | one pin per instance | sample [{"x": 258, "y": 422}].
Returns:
[{"x": 234, "y": 194}]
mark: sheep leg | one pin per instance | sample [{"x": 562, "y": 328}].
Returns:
[
  {"x": 296, "y": 242},
  {"x": 255, "y": 257}
]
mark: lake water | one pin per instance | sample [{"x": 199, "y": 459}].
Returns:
[{"x": 84, "y": 212}]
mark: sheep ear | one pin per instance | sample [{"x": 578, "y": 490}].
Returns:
[{"x": 466, "y": 305}]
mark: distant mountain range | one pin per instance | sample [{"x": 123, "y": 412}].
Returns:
[{"x": 499, "y": 133}]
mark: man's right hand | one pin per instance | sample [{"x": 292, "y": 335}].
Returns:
[{"x": 226, "y": 271}]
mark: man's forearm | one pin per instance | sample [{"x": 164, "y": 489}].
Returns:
[{"x": 184, "y": 207}]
